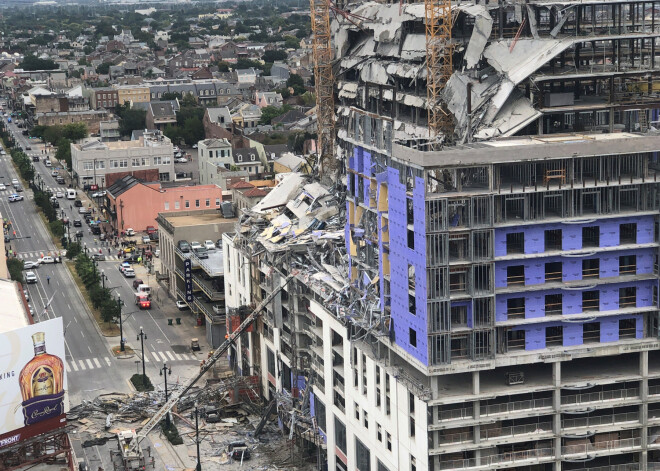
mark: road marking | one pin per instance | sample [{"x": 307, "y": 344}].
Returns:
[
  {"x": 163, "y": 356},
  {"x": 185, "y": 356},
  {"x": 177, "y": 356},
  {"x": 82, "y": 364},
  {"x": 169, "y": 354},
  {"x": 107, "y": 360},
  {"x": 68, "y": 368},
  {"x": 73, "y": 365},
  {"x": 155, "y": 356},
  {"x": 91, "y": 365},
  {"x": 81, "y": 333},
  {"x": 96, "y": 362}
]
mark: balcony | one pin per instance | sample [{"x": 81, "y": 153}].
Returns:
[
  {"x": 601, "y": 396},
  {"x": 607, "y": 445},
  {"x": 497, "y": 432},
  {"x": 611, "y": 419},
  {"x": 208, "y": 288},
  {"x": 515, "y": 457},
  {"x": 516, "y": 406}
]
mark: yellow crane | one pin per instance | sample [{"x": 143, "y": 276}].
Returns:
[{"x": 438, "y": 64}]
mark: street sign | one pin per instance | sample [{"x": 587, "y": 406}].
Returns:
[{"x": 187, "y": 276}]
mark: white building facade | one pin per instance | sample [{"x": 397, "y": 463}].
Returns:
[{"x": 211, "y": 154}]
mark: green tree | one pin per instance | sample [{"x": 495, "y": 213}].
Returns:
[
  {"x": 270, "y": 112},
  {"x": 291, "y": 42},
  {"x": 173, "y": 133},
  {"x": 57, "y": 228},
  {"x": 297, "y": 83},
  {"x": 171, "y": 96},
  {"x": 64, "y": 151},
  {"x": 15, "y": 268},
  {"x": 131, "y": 119},
  {"x": 31, "y": 62},
  {"x": 73, "y": 250},
  {"x": 103, "y": 68},
  {"x": 274, "y": 55},
  {"x": 193, "y": 130},
  {"x": 75, "y": 131},
  {"x": 52, "y": 134},
  {"x": 222, "y": 66}
]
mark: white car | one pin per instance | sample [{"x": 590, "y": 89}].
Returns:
[
  {"x": 31, "y": 265},
  {"x": 178, "y": 154},
  {"x": 180, "y": 160},
  {"x": 2, "y": 187},
  {"x": 59, "y": 194},
  {"x": 47, "y": 259},
  {"x": 26, "y": 293},
  {"x": 194, "y": 146},
  {"x": 181, "y": 305},
  {"x": 15, "y": 197},
  {"x": 130, "y": 232},
  {"x": 209, "y": 244},
  {"x": 47, "y": 163},
  {"x": 98, "y": 194},
  {"x": 157, "y": 253},
  {"x": 14, "y": 181},
  {"x": 129, "y": 273},
  {"x": 30, "y": 277},
  {"x": 195, "y": 245},
  {"x": 219, "y": 309}
]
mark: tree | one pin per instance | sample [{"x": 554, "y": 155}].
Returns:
[
  {"x": 15, "y": 268},
  {"x": 64, "y": 151},
  {"x": 103, "y": 68},
  {"x": 52, "y": 134},
  {"x": 171, "y": 96},
  {"x": 193, "y": 130},
  {"x": 73, "y": 250},
  {"x": 131, "y": 119},
  {"x": 31, "y": 62},
  {"x": 270, "y": 112},
  {"x": 274, "y": 55},
  {"x": 173, "y": 133},
  {"x": 75, "y": 131},
  {"x": 222, "y": 66},
  {"x": 297, "y": 83},
  {"x": 291, "y": 42},
  {"x": 57, "y": 228}
]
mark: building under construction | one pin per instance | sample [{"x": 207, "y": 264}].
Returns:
[{"x": 485, "y": 294}]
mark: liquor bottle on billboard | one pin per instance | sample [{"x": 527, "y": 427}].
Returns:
[{"x": 42, "y": 384}]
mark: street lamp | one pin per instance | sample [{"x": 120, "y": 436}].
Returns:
[
  {"x": 141, "y": 337},
  {"x": 165, "y": 370},
  {"x": 121, "y": 327},
  {"x": 103, "y": 277},
  {"x": 199, "y": 463}
]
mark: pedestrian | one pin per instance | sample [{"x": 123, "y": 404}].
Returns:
[
  {"x": 108, "y": 250},
  {"x": 48, "y": 279}
]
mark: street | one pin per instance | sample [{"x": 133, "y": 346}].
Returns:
[{"x": 92, "y": 368}]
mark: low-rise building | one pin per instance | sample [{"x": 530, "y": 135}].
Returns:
[
  {"x": 132, "y": 203},
  {"x": 91, "y": 118},
  {"x": 93, "y": 160},
  {"x": 160, "y": 114},
  {"x": 263, "y": 99},
  {"x": 248, "y": 159},
  {"x": 133, "y": 94},
  {"x": 197, "y": 281},
  {"x": 211, "y": 154},
  {"x": 104, "y": 97},
  {"x": 217, "y": 123}
]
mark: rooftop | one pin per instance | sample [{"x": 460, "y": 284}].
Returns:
[
  {"x": 12, "y": 309},
  {"x": 201, "y": 219}
]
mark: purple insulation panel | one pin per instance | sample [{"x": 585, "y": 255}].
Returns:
[
  {"x": 367, "y": 164},
  {"x": 410, "y": 329},
  {"x": 468, "y": 305},
  {"x": 572, "y": 334}
]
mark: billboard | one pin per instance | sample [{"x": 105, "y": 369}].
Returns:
[{"x": 33, "y": 380}]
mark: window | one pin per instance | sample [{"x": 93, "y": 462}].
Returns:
[
  {"x": 379, "y": 432},
  {"x": 591, "y": 300},
  {"x": 381, "y": 466},
  {"x": 515, "y": 275},
  {"x": 459, "y": 316},
  {"x": 167, "y": 205},
  {"x": 628, "y": 297},
  {"x": 240, "y": 158},
  {"x": 591, "y": 236},
  {"x": 627, "y": 264},
  {"x": 88, "y": 165},
  {"x": 628, "y": 233},
  {"x": 319, "y": 410},
  {"x": 413, "y": 463},
  {"x": 412, "y": 305},
  {"x": 389, "y": 440},
  {"x": 136, "y": 162},
  {"x": 217, "y": 201},
  {"x": 515, "y": 309},
  {"x": 340, "y": 435},
  {"x": 362, "y": 456},
  {"x": 553, "y": 239},
  {"x": 412, "y": 427},
  {"x": 208, "y": 203},
  {"x": 554, "y": 336},
  {"x": 252, "y": 157},
  {"x": 271, "y": 362},
  {"x": 365, "y": 419},
  {"x": 144, "y": 161},
  {"x": 114, "y": 164},
  {"x": 357, "y": 408},
  {"x": 196, "y": 203},
  {"x": 515, "y": 242},
  {"x": 187, "y": 204},
  {"x": 553, "y": 272},
  {"x": 591, "y": 268},
  {"x": 100, "y": 164},
  {"x": 123, "y": 163},
  {"x": 412, "y": 337},
  {"x": 515, "y": 339},
  {"x": 627, "y": 329},
  {"x": 176, "y": 205},
  {"x": 591, "y": 332},
  {"x": 553, "y": 304}
]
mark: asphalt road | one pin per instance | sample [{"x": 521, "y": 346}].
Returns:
[{"x": 91, "y": 366}]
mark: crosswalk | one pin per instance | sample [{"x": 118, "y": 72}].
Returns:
[
  {"x": 37, "y": 255},
  {"x": 150, "y": 357},
  {"x": 54, "y": 190}
]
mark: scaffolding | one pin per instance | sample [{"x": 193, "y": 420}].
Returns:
[{"x": 438, "y": 64}]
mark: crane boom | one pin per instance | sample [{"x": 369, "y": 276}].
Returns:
[{"x": 176, "y": 396}]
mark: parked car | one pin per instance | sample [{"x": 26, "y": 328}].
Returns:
[
  {"x": 14, "y": 181},
  {"x": 30, "y": 265},
  {"x": 180, "y": 160},
  {"x": 56, "y": 204},
  {"x": 146, "y": 239},
  {"x": 137, "y": 282},
  {"x": 130, "y": 232},
  {"x": 2, "y": 187},
  {"x": 26, "y": 293},
  {"x": 129, "y": 273},
  {"x": 19, "y": 189},
  {"x": 219, "y": 309},
  {"x": 78, "y": 203},
  {"x": 98, "y": 194},
  {"x": 54, "y": 173},
  {"x": 47, "y": 163},
  {"x": 195, "y": 245},
  {"x": 77, "y": 223},
  {"x": 182, "y": 305},
  {"x": 79, "y": 234},
  {"x": 218, "y": 243},
  {"x": 201, "y": 252},
  {"x": 154, "y": 235},
  {"x": 123, "y": 266},
  {"x": 59, "y": 179},
  {"x": 150, "y": 230},
  {"x": 184, "y": 246},
  {"x": 30, "y": 278},
  {"x": 83, "y": 211},
  {"x": 157, "y": 253},
  {"x": 209, "y": 245},
  {"x": 14, "y": 197},
  {"x": 59, "y": 194}
]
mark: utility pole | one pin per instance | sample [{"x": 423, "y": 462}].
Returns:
[
  {"x": 164, "y": 371},
  {"x": 121, "y": 327},
  {"x": 141, "y": 336}
]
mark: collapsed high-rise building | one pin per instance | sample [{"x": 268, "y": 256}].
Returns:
[{"x": 487, "y": 296}]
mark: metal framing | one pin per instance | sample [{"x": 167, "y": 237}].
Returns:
[
  {"x": 325, "y": 103},
  {"x": 438, "y": 63},
  {"x": 38, "y": 449}
]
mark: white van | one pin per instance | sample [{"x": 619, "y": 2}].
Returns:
[
  {"x": 70, "y": 194},
  {"x": 144, "y": 289}
]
